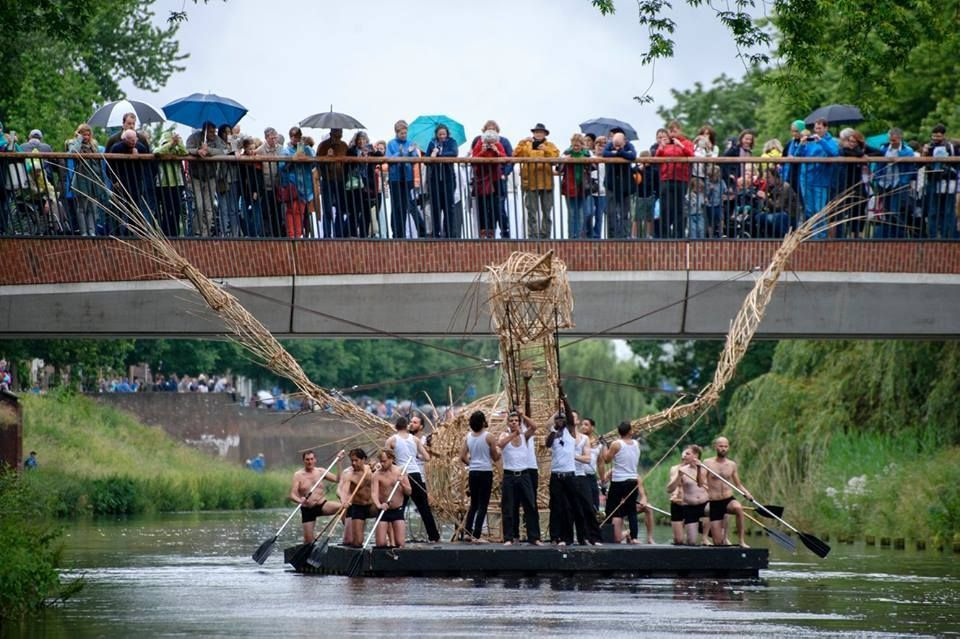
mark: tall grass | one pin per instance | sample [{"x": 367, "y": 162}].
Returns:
[{"x": 98, "y": 460}]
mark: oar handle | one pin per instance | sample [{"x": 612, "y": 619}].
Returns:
[
  {"x": 752, "y": 501},
  {"x": 389, "y": 497},
  {"x": 336, "y": 458},
  {"x": 659, "y": 510}
]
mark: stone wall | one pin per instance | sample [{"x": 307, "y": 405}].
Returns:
[{"x": 213, "y": 423}]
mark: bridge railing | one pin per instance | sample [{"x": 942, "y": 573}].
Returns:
[{"x": 66, "y": 194}]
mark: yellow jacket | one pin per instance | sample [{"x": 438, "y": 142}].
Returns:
[{"x": 536, "y": 177}]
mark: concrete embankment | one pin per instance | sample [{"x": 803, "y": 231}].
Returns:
[{"x": 212, "y": 422}]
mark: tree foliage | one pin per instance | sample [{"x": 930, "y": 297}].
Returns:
[
  {"x": 896, "y": 59},
  {"x": 61, "y": 58}
]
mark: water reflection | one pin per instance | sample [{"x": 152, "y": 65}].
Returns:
[{"x": 191, "y": 574}]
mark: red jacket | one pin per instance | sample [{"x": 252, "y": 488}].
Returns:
[
  {"x": 486, "y": 177},
  {"x": 677, "y": 172}
]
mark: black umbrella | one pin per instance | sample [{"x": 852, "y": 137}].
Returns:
[
  {"x": 331, "y": 120},
  {"x": 835, "y": 114}
]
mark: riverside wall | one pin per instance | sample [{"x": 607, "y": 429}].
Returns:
[{"x": 220, "y": 427}]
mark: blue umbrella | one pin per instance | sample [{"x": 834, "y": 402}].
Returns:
[
  {"x": 198, "y": 108},
  {"x": 602, "y": 126},
  {"x": 422, "y": 129}
]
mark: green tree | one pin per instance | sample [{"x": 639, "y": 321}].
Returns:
[
  {"x": 684, "y": 368},
  {"x": 608, "y": 397},
  {"x": 728, "y": 105},
  {"x": 61, "y": 58}
]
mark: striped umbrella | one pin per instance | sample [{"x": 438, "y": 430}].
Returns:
[{"x": 111, "y": 114}]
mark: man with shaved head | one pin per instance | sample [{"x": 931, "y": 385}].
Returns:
[{"x": 721, "y": 497}]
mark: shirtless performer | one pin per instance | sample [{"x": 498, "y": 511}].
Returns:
[
  {"x": 382, "y": 485},
  {"x": 722, "y": 501},
  {"x": 312, "y": 505},
  {"x": 691, "y": 480},
  {"x": 360, "y": 508}
]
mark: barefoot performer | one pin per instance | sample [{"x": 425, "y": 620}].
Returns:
[
  {"x": 690, "y": 479},
  {"x": 722, "y": 501},
  {"x": 478, "y": 453},
  {"x": 516, "y": 490},
  {"x": 389, "y": 500},
  {"x": 356, "y": 485},
  {"x": 313, "y": 503}
]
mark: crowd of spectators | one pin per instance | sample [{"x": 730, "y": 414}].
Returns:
[{"x": 191, "y": 194}]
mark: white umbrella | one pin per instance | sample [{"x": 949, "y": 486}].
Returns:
[{"x": 111, "y": 114}]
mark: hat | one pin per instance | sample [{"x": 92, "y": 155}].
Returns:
[
  {"x": 798, "y": 125},
  {"x": 36, "y": 133},
  {"x": 540, "y": 127}
]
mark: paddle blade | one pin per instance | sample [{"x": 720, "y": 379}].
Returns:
[
  {"x": 260, "y": 554},
  {"x": 815, "y": 545},
  {"x": 783, "y": 540},
  {"x": 356, "y": 564},
  {"x": 300, "y": 556},
  {"x": 317, "y": 553},
  {"x": 770, "y": 511}
]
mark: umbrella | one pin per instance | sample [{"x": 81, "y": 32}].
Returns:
[
  {"x": 876, "y": 141},
  {"x": 602, "y": 126},
  {"x": 331, "y": 120},
  {"x": 111, "y": 114},
  {"x": 835, "y": 114},
  {"x": 198, "y": 108},
  {"x": 422, "y": 129}
]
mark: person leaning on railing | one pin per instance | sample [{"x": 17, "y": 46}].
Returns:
[
  {"x": 892, "y": 180},
  {"x": 674, "y": 178},
  {"x": 536, "y": 181},
  {"x": 171, "y": 183},
  {"x": 204, "y": 143},
  {"x": 619, "y": 184},
  {"x": 575, "y": 185},
  {"x": 486, "y": 178},
  {"x": 816, "y": 178},
  {"x": 86, "y": 179},
  {"x": 402, "y": 183},
  {"x": 360, "y": 186},
  {"x": 270, "y": 202},
  {"x": 441, "y": 180}
]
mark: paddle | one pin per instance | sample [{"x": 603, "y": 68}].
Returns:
[
  {"x": 317, "y": 552},
  {"x": 815, "y": 545},
  {"x": 354, "y": 568},
  {"x": 659, "y": 510},
  {"x": 770, "y": 508},
  {"x": 260, "y": 554},
  {"x": 775, "y": 534}
]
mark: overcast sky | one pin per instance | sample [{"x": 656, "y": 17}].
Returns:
[{"x": 519, "y": 62}]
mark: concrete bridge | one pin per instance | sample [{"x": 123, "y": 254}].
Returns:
[{"x": 53, "y": 287}]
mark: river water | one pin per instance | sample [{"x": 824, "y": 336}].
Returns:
[{"x": 191, "y": 575}]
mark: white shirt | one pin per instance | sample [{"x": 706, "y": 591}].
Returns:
[
  {"x": 479, "y": 451},
  {"x": 406, "y": 448},
  {"x": 580, "y": 468},
  {"x": 515, "y": 456},
  {"x": 625, "y": 461},
  {"x": 562, "y": 450}
]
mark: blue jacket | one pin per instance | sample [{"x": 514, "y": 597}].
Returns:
[
  {"x": 617, "y": 178},
  {"x": 894, "y": 174},
  {"x": 299, "y": 174},
  {"x": 398, "y": 149},
  {"x": 817, "y": 174}
]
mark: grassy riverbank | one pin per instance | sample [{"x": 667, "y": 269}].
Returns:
[
  {"x": 97, "y": 460},
  {"x": 855, "y": 438}
]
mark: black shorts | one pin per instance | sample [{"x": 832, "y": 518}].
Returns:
[
  {"x": 359, "y": 511},
  {"x": 392, "y": 514},
  {"x": 310, "y": 513},
  {"x": 676, "y": 512},
  {"x": 693, "y": 512},
  {"x": 625, "y": 492},
  {"x": 718, "y": 508}
]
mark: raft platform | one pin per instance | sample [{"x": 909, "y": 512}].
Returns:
[{"x": 523, "y": 560}]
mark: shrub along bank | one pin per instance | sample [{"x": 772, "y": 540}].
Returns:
[{"x": 97, "y": 460}]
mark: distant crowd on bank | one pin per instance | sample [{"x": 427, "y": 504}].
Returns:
[{"x": 635, "y": 199}]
